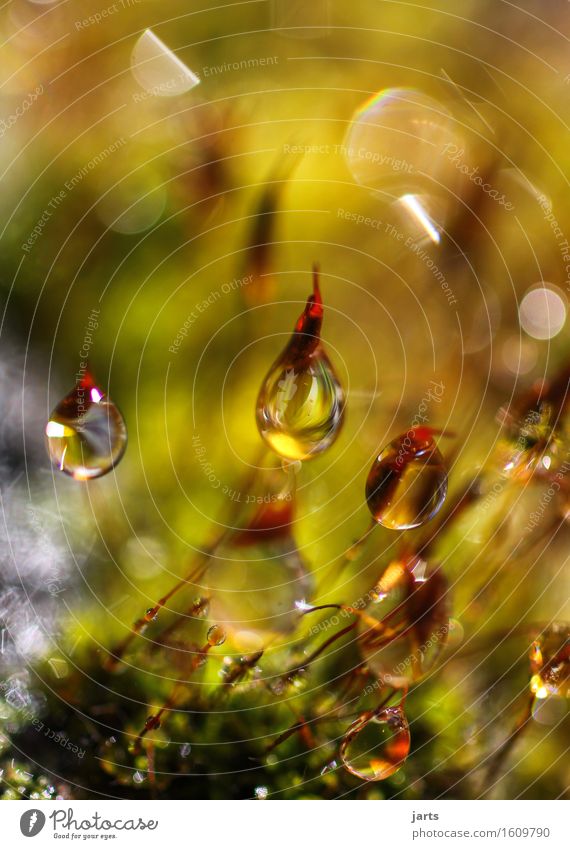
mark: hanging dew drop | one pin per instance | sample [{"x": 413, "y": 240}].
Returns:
[
  {"x": 377, "y": 744},
  {"x": 300, "y": 406},
  {"x": 86, "y": 435}
]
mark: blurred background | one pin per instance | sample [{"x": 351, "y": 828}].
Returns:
[{"x": 170, "y": 173}]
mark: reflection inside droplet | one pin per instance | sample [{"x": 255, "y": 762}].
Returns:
[
  {"x": 85, "y": 438},
  {"x": 158, "y": 70}
]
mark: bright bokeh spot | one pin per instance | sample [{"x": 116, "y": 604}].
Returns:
[
  {"x": 398, "y": 141},
  {"x": 158, "y": 69},
  {"x": 542, "y": 312}
]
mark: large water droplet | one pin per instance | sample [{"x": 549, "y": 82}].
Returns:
[
  {"x": 86, "y": 434},
  {"x": 407, "y": 483},
  {"x": 377, "y": 744},
  {"x": 406, "y": 625},
  {"x": 301, "y": 403},
  {"x": 258, "y": 579}
]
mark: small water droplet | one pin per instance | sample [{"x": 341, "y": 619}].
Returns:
[
  {"x": 330, "y": 767},
  {"x": 200, "y": 607},
  {"x": 407, "y": 484},
  {"x": 216, "y": 636},
  {"x": 261, "y": 792},
  {"x": 185, "y": 750},
  {"x": 300, "y": 406},
  {"x": 86, "y": 434},
  {"x": 377, "y": 744},
  {"x": 138, "y": 777},
  {"x": 550, "y": 662}
]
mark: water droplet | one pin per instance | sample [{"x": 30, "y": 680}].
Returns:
[
  {"x": 261, "y": 792},
  {"x": 300, "y": 406},
  {"x": 257, "y": 578},
  {"x": 377, "y": 744},
  {"x": 185, "y": 750},
  {"x": 216, "y": 636},
  {"x": 86, "y": 434},
  {"x": 535, "y": 430},
  {"x": 138, "y": 777},
  {"x": 330, "y": 767},
  {"x": 201, "y": 607},
  {"x": 406, "y": 625},
  {"x": 550, "y": 662},
  {"x": 407, "y": 483}
]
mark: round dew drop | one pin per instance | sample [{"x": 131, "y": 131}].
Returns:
[
  {"x": 86, "y": 435},
  {"x": 407, "y": 484},
  {"x": 377, "y": 744}
]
